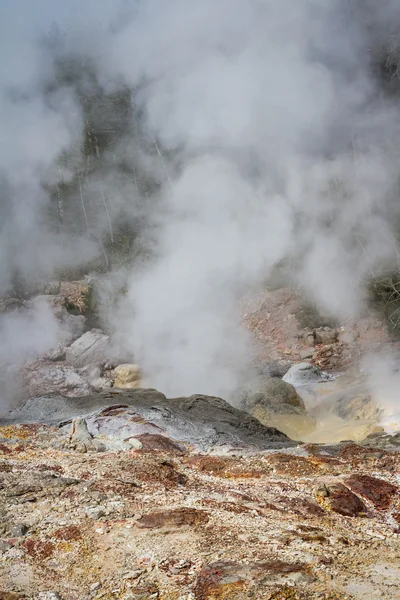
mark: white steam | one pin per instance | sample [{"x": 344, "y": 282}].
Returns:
[{"x": 284, "y": 146}]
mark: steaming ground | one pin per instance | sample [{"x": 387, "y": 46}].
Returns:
[{"x": 270, "y": 137}]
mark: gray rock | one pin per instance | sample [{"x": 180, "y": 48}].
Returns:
[
  {"x": 56, "y": 354},
  {"x": 48, "y": 596},
  {"x": 309, "y": 340},
  {"x": 204, "y": 421},
  {"x": 326, "y": 336},
  {"x": 92, "y": 348},
  {"x": 80, "y": 438},
  {"x": 274, "y": 368},
  {"x": 271, "y": 390},
  {"x": 95, "y": 512},
  {"x": 19, "y": 530},
  {"x": 304, "y": 373},
  {"x": 276, "y": 403},
  {"x": 4, "y": 547},
  {"x": 44, "y": 379},
  {"x": 101, "y": 383},
  {"x": 90, "y": 373},
  {"x": 360, "y": 406},
  {"x": 304, "y": 354}
]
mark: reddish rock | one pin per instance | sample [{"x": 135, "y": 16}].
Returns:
[
  {"x": 301, "y": 506},
  {"x": 112, "y": 411},
  {"x": 229, "y": 467},
  {"x": 143, "y": 469},
  {"x": 377, "y": 491},
  {"x": 340, "y": 499},
  {"x": 5, "y": 449},
  {"x": 180, "y": 517},
  {"x": 68, "y": 534},
  {"x": 144, "y": 592},
  {"x": 286, "y": 464},
  {"x": 220, "y": 581},
  {"x": 228, "y": 580},
  {"x": 37, "y": 549},
  {"x": 159, "y": 443}
]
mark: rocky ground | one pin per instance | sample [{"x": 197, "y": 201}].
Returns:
[
  {"x": 160, "y": 519},
  {"x": 288, "y": 331},
  {"x": 112, "y": 491}
]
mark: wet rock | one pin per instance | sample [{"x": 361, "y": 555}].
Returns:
[
  {"x": 276, "y": 403},
  {"x": 378, "y": 491},
  {"x": 304, "y": 373},
  {"x": 360, "y": 405},
  {"x": 180, "y": 517},
  {"x": 92, "y": 348},
  {"x": 45, "y": 379},
  {"x": 338, "y": 498},
  {"x": 269, "y": 390},
  {"x": 127, "y": 376}
]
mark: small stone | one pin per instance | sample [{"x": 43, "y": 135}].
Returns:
[
  {"x": 19, "y": 530},
  {"x": 134, "y": 444},
  {"x": 95, "y": 586},
  {"x": 4, "y": 547},
  {"x": 96, "y": 512},
  {"x": 310, "y": 340},
  {"x": 49, "y": 596}
]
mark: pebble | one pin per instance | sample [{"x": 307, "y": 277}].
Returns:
[
  {"x": 95, "y": 512},
  {"x": 19, "y": 530},
  {"x": 95, "y": 586}
]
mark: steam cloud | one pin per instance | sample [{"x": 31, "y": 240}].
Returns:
[{"x": 284, "y": 145}]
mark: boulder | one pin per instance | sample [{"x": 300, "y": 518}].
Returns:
[
  {"x": 44, "y": 379},
  {"x": 127, "y": 376},
  {"x": 304, "y": 373},
  {"x": 276, "y": 403},
  {"x": 272, "y": 391},
  {"x": 92, "y": 348}
]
